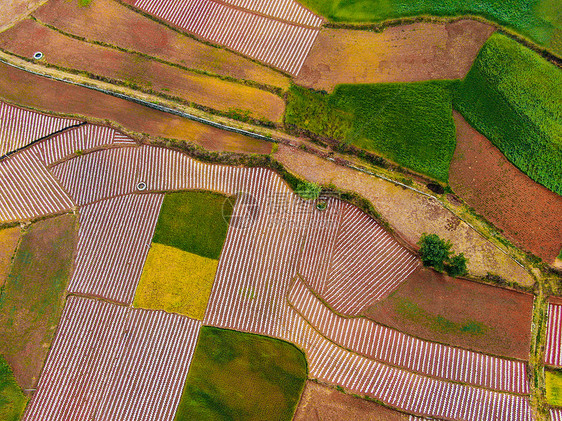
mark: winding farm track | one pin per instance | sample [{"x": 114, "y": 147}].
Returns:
[
  {"x": 393, "y": 347},
  {"x": 284, "y": 44},
  {"x": 110, "y": 362},
  {"x": 113, "y": 242},
  {"x": 553, "y": 348},
  {"x": 19, "y": 127}
]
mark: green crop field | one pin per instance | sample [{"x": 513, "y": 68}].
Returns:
[
  {"x": 236, "y": 375},
  {"x": 32, "y": 297},
  {"x": 12, "y": 399},
  {"x": 538, "y": 20},
  {"x": 193, "y": 222},
  {"x": 554, "y": 387},
  {"x": 514, "y": 97},
  {"x": 411, "y": 124}
]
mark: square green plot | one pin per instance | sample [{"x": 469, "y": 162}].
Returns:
[{"x": 195, "y": 222}]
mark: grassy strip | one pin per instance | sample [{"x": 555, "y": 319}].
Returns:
[
  {"x": 184, "y": 287},
  {"x": 236, "y": 375},
  {"x": 538, "y": 20},
  {"x": 32, "y": 297},
  {"x": 194, "y": 222},
  {"x": 411, "y": 124},
  {"x": 514, "y": 97},
  {"x": 12, "y": 399}
]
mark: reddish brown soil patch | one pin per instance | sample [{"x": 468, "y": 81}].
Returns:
[
  {"x": 22, "y": 88},
  {"x": 32, "y": 297},
  {"x": 62, "y": 51},
  {"x": 322, "y": 403},
  {"x": 405, "y": 53},
  {"x": 115, "y": 24},
  {"x": 461, "y": 313},
  {"x": 529, "y": 214},
  {"x": 14, "y": 10}
]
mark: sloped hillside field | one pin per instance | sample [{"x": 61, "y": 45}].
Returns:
[{"x": 514, "y": 97}]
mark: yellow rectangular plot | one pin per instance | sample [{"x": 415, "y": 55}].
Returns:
[{"x": 176, "y": 281}]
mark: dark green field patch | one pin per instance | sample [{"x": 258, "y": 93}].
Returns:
[
  {"x": 539, "y": 20},
  {"x": 12, "y": 399},
  {"x": 194, "y": 222},
  {"x": 235, "y": 375},
  {"x": 513, "y": 96},
  {"x": 411, "y": 124},
  {"x": 32, "y": 297}
]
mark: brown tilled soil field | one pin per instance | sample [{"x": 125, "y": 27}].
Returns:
[
  {"x": 9, "y": 238},
  {"x": 41, "y": 93},
  {"x": 529, "y": 214},
  {"x": 32, "y": 297},
  {"x": 322, "y": 403},
  {"x": 14, "y": 10},
  {"x": 29, "y": 36},
  {"x": 462, "y": 313},
  {"x": 115, "y": 24},
  {"x": 410, "y": 213},
  {"x": 405, "y": 53}
]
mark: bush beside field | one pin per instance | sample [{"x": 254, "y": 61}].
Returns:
[
  {"x": 237, "y": 375},
  {"x": 514, "y": 97},
  {"x": 408, "y": 123},
  {"x": 12, "y": 399},
  {"x": 539, "y": 20}
]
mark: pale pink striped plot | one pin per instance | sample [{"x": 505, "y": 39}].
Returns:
[
  {"x": 287, "y": 10},
  {"x": 113, "y": 242},
  {"x": 367, "y": 263},
  {"x": 275, "y": 42},
  {"x": 556, "y": 414},
  {"x": 407, "y": 391},
  {"x": 28, "y": 190},
  {"x": 110, "y": 362},
  {"x": 113, "y": 172},
  {"x": 395, "y": 348},
  {"x": 553, "y": 351},
  {"x": 19, "y": 127},
  {"x": 79, "y": 140}
]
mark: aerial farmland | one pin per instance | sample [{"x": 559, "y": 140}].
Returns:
[{"x": 280, "y": 210}]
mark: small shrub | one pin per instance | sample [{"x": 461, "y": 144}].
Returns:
[
  {"x": 436, "y": 253},
  {"x": 456, "y": 265}
]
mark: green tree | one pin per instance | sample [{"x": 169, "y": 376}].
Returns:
[
  {"x": 434, "y": 251},
  {"x": 456, "y": 265}
]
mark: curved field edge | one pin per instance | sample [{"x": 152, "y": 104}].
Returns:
[
  {"x": 12, "y": 399},
  {"x": 513, "y": 97},
  {"x": 538, "y": 21},
  {"x": 235, "y": 375}
]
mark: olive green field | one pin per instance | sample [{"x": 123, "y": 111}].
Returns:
[
  {"x": 12, "y": 399},
  {"x": 236, "y": 375}
]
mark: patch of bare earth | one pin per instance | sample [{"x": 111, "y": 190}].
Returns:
[
  {"x": 62, "y": 51},
  {"x": 322, "y": 403},
  {"x": 28, "y": 90},
  {"x": 405, "y": 53},
  {"x": 112, "y": 23},
  {"x": 12, "y": 11},
  {"x": 459, "y": 312},
  {"x": 409, "y": 213},
  {"x": 529, "y": 214}
]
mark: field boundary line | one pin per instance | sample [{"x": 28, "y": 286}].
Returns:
[
  {"x": 397, "y": 366},
  {"x": 345, "y": 316}
]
